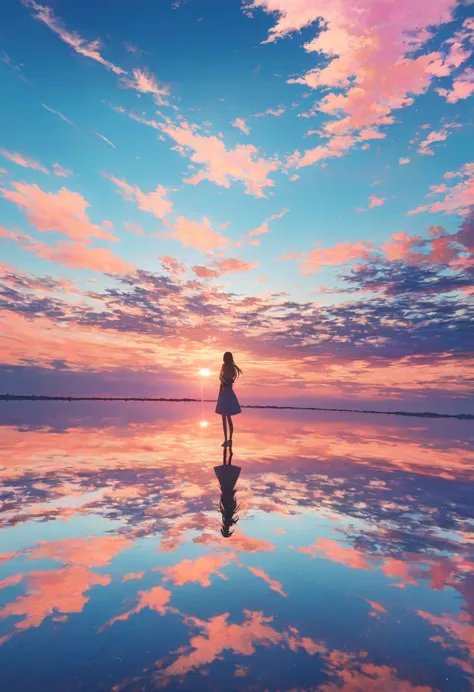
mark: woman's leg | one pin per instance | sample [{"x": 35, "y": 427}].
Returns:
[
  {"x": 231, "y": 427},
  {"x": 224, "y": 425}
]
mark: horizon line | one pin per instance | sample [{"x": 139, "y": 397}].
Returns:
[{"x": 44, "y": 397}]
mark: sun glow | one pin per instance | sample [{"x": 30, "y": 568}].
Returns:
[
  {"x": 204, "y": 424},
  {"x": 204, "y": 372}
]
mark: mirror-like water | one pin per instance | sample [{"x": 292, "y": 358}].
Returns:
[{"x": 339, "y": 557}]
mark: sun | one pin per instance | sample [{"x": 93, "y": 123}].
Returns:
[
  {"x": 204, "y": 424},
  {"x": 204, "y": 372}
]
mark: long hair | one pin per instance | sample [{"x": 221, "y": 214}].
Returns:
[
  {"x": 229, "y": 510},
  {"x": 230, "y": 367}
]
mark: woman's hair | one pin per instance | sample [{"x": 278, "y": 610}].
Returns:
[
  {"x": 229, "y": 510},
  {"x": 229, "y": 365}
]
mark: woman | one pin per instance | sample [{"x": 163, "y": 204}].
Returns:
[{"x": 227, "y": 402}]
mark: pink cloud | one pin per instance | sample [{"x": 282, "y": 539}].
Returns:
[
  {"x": 80, "y": 45},
  {"x": 241, "y": 125},
  {"x": 275, "y": 112},
  {"x": 133, "y": 575},
  {"x": 11, "y": 580},
  {"x": 154, "y": 203},
  {"x": 434, "y": 136},
  {"x": 457, "y": 199},
  {"x": 219, "y": 164},
  {"x": 134, "y": 228},
  {"x": 172, "y": 265},
  {"x": 91, "y": 551},
  {"x": 218, "y": 636},
  {"x": 146, "y": 83},
  {"x": 462, "y": 87},
  {"x": 375, "y": 201},
  {"x": 59, "y": 590},
  {"x": 274, "y": 585},
  {"x": 76, "y": 254},
  {"x": 60, "y": 171},
  {"x": 199, "y": 570},
  {"x": 199, "y": 235},
  {"x": 156, "y": 599},
  {"x": 264, "y": 227},
  {"x": 228, "y": 265},
  {"x": 332, "y": 550},
  {"x": 403, "y": 160},
  {"x": 338, "y": 254},
  {"x": 64, "y": 212},
  {"x": 24, "y": 161},
  {"x": 370, "y": 47}
]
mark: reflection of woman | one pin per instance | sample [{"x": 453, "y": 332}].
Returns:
[
  {"x": 227, "y": 476},
  {"x": 227, "y": 402}
]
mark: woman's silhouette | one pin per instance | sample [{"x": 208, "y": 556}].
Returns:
[
  {"x": 227, "y": 402},
  {"x": 227, "y": 476}
]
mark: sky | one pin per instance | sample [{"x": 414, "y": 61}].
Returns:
[{"x": 291, "y": 180}]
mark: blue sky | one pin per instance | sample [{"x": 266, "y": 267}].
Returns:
[{"x": 217, "y": 65}]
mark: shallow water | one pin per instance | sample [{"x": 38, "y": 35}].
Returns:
[{"x": 351, "y": 566}]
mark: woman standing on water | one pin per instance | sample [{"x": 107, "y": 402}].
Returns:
[{"x": 227, "y": 402}]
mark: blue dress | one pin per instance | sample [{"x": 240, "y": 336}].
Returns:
[{"x": 227, "y": 402}]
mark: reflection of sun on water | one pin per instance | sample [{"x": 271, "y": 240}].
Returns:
[{"x": 204, "y": 372}]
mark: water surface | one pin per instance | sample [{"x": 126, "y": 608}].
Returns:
[{"x": 351, "y": 565}]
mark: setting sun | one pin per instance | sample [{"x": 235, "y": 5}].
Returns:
[
  {"x": 204, "y": 372},
  {"x": 204, "y": 424}
]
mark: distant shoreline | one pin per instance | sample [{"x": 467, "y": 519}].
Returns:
[{"x": 425, "y": 414}]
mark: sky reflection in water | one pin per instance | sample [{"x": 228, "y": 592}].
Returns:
[{"x": 350, "y": 567}]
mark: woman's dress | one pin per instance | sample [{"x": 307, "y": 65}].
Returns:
[{"x": 227, "y": 402}]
